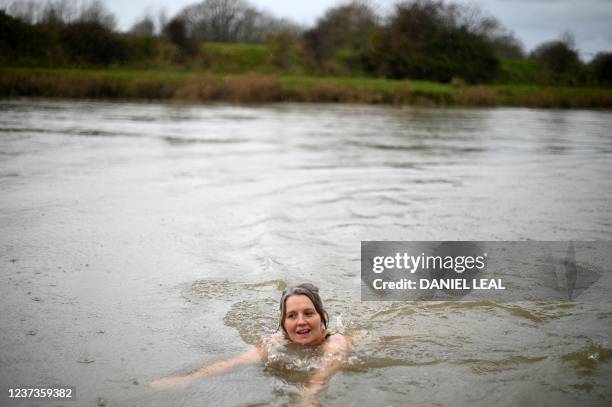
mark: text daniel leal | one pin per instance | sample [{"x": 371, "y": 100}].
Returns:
[{"x": 440, "y": 284}]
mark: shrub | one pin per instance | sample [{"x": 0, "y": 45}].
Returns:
[
  {"x": 560, "y": 59},
  {"x": 91, "y": 43},
  {"x": 345, "y": 27},
  {"x": 601, "y": 67},
  {"x": 421, "y": 42},
  {"x": 176, "y": 32}
]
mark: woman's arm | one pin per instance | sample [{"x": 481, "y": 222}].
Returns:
[
  {"x": 335, "y": 358},
  {"x": 252, "y": 355}
]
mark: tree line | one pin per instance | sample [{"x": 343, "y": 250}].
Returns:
[{"x": 417, "y": 39}]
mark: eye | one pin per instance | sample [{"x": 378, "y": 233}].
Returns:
[
  {"x": 291, "y": 316},
  {"x": 309, "y": 313}
]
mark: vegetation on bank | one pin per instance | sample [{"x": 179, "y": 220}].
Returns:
[
  {"x": 424, "y": 52},
  {"x": 257, "y": 88}
]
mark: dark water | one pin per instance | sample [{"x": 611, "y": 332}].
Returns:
[{"x": 140, "y": 240}]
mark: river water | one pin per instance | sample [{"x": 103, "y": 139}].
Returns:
[{"x": 142, "y": 240}]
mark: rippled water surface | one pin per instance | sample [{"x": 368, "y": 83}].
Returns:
[{"x": 141, "y": 240}]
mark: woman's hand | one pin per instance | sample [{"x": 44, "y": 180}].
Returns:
[
  {"x": 168, "y": 383},
  {"x": 250, "y": 356}
]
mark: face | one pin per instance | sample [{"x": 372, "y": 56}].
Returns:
[{"x": 302, "y": 322}]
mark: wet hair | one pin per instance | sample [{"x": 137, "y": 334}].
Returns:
[{"x": 309, "y": 291}]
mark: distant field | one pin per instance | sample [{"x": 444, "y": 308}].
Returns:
[{"x": 202, "y": 86}]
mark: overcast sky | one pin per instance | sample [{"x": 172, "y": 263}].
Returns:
[{"x": 533, "y": 21}]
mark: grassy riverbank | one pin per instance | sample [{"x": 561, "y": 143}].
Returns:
[{"x": 260, "y": 88}]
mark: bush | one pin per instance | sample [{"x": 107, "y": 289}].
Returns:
[
  {"x": 141, "y": 49},
  {"x": 601, "y": 67},
  {"x": 20, "y": 41},
  {"x": 176, "y": 32},
  {"x": 345, "y": 27},
  {"x": 420, "y": 42},
  {"x": 560, "y": 59},
  {"x": 91, "y": 43}
]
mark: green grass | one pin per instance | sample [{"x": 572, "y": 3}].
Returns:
[
  {"x": 204, "y": 86},
  {"x": 520, "y": 71},
  {"x": 236, "y": 58}
]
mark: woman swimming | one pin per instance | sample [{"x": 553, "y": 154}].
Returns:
[{"x": 303, "y": 321}]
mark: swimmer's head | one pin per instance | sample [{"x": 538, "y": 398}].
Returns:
[{"x": 309, "y": 291}]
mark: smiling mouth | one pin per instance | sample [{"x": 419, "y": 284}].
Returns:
[{"x": 304, "y": 331}]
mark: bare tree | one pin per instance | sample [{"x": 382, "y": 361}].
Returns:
[
  {"x": 230, "y": 21},
  {"x": 94, "y": 11},
  {"x": 162, "y": 20},
  {"x": 25, "y": 10},
  {"x": 59, "y": 12},
  {"x": 145, "y": 27}
]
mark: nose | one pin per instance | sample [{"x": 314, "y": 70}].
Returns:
[{"x": 301, "y": 319}]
